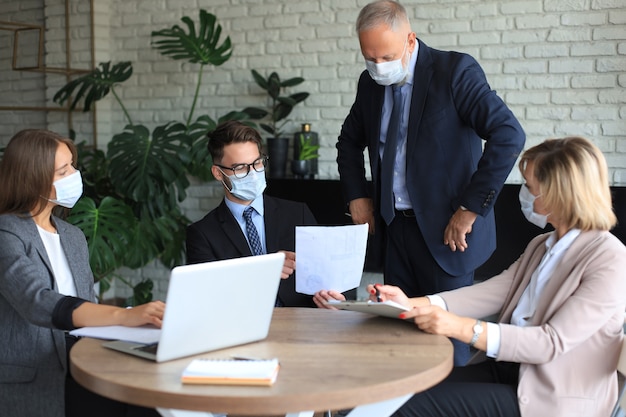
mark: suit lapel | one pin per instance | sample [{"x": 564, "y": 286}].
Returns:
[
  {"x": 231, "y": 229},
  {"x": 271, "y": 224},
  {"x": 533, "y": 258},
  {"x": 562, "y": 279},
  {"x": 30, "y": 227},
  {"x": 421, "y": 82}
]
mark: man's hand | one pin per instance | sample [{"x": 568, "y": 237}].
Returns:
[
  {"x": 460, "y": 225},
  {"x": 290, "y": 264},
  {"x": 362, "y": 212},
  {"x": 322, "y": 296}
]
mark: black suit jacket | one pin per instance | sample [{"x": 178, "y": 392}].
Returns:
[
  {"x": 453, "y": 110},
  {"x": 218, "y": 236}
]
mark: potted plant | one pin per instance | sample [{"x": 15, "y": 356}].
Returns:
[
  {"x": 130, "y": 212},
  {"x": 280, "y": 106},
  {"x": 307, "y": 153}
]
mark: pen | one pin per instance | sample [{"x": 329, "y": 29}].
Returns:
[{"x": 377, "y": 294}]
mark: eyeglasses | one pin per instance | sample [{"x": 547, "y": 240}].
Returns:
[{"x": 242, "y": 170}]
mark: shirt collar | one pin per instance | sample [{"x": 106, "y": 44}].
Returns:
[
  {"x": 556, "y": 246},
  {"x": 237, "y": 209},
  {"x": 412, "y": 62}
]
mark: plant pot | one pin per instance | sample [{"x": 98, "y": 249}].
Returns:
[
  {"x": 277, "y": 152},
  {"x": 302, "y": 169}
]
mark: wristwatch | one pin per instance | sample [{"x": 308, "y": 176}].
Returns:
[{"x": 478, "y": 329}]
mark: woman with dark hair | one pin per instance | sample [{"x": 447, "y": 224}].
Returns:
[
  {"x": 46, "y": 284},
  {"x": 554, "y": 348}
]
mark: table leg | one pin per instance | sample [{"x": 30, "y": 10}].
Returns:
[
  {"x": 169, "y": 412},
  {"x": 380, "y": 409}
]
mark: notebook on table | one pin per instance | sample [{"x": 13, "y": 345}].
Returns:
[{"x": 214, "y": 305}]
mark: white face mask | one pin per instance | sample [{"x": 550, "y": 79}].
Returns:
[
  {"x": 527, "y": 201},
  {"x": 247, "y": 188},
  {"x": 69, "y": 189},
  {"x": 388, "y": 73}
]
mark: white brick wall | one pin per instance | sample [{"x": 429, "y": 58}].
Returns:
[{"x": 560, "y": 65}]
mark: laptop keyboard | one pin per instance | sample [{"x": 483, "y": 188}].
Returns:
[{"x": 151, "y": 348}]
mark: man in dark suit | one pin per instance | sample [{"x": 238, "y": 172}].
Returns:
[
  {"x": 435, "y": 185},
  {"x": 225, "y": 233}
]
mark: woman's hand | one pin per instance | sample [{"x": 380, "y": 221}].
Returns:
[
  {"x": 388, "y": 292},
  {"x": 435, "y": 320},
  {"x": 322, "y": 296},
  {"x": 149, "y": 313},
  {"x": 91, "y": 314}
]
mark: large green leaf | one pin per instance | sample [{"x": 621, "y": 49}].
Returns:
[
  {"x": 195, "y": 47},
  {"x": 144, "y": 168},
  {"x": 94, "y": 169},
  {"x": 108, "y": 228},
  {"x": 94, "y": 85}
]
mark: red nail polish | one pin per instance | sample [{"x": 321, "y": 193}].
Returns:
[
  {"x": 402, "y": 315},
  {"x": 373, "y": 292}
]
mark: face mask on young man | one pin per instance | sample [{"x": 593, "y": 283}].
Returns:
[
  {"x": 69, "y": 189},
  {"x": 388, "y": 73},
  {"x": 247, "y": 188},
  {"x": 527, "y": 201}
]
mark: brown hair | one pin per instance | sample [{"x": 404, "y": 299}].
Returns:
[
  {"x": 573, "y": 182},
  {"x": 27, "y": 170},
  {"x": 229, "y": 132}
]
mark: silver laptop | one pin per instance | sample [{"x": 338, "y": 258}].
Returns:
[{"x": 214, "y": 305}]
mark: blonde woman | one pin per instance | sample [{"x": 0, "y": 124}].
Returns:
[{"x": 553, "y": 350}]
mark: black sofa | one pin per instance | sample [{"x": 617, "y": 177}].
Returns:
[{"x": 324, "y": 198}]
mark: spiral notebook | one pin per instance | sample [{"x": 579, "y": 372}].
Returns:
[{"x": 231, "y": 372}]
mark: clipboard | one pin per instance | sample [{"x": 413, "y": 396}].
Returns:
[{"x": 384, "y": 308}]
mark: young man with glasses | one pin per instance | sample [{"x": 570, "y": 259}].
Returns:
[{"x": 247, "y": 222}]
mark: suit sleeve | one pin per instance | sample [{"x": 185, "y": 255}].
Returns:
[
  {"x": 351, "y": 145},
  {"x": 481, "y": 109},
  {"x": 26, "y": 284},
  {"x": 198, "y": 247}
]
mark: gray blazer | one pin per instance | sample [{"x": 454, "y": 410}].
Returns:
[{"x": 33, "y": 361}]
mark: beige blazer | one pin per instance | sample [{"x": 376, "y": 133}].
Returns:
[{"x": 569, "y": 354}]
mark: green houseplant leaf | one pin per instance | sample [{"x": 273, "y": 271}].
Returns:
[
  {"x": 201, "y": 47},
  {"x": 94, "y": 85},
  {"x": 197, "y": 48},
  {"x": 307, "y": 149},
  {"x": 142, "y": 167},
  {"x": 108, "y": 228},
  {"x": 279, "y": 106}
]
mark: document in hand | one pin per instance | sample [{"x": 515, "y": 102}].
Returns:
[
  {"x": 330, "y": 257},
  {"x": 231, "y": 372}
]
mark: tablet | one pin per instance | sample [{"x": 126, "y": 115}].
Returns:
[{"x": 383, "y": 308}]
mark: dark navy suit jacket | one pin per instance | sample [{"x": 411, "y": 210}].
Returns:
[
  {"x": 453, "y": 110},
  {"x": 218, "y": 236}
]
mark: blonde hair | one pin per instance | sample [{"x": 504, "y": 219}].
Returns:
[{"x": 573, "y": 181}]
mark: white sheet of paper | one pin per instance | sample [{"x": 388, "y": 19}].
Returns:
[
  {"x": 142, "y": 334},
  {"x": 329, "y": 257}
]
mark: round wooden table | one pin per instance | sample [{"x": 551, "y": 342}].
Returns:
[{"x": 329, "y": 360}]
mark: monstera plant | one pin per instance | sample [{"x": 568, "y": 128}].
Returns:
[{"x": 130, "y": 209}]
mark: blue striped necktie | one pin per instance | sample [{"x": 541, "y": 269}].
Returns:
[{"x": 253, "y": 235}]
